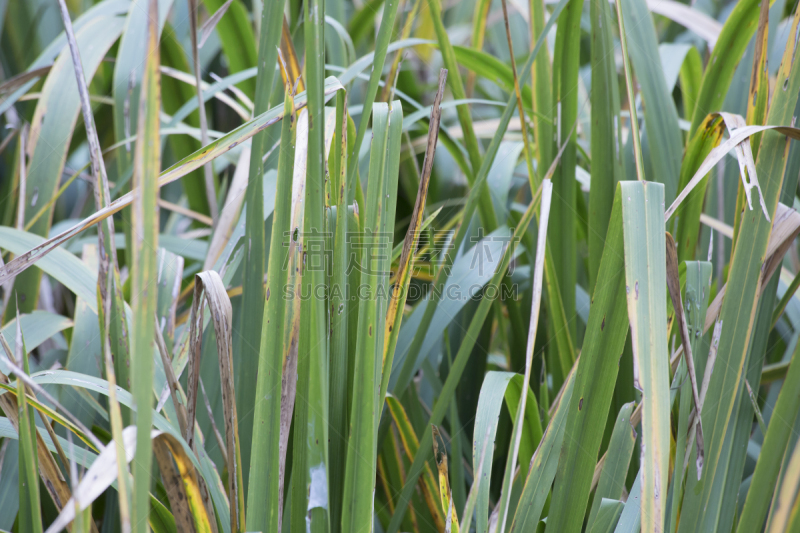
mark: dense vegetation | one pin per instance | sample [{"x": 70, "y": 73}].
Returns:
[{"x": 394, "y": 265}]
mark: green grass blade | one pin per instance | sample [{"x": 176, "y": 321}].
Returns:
[
  {"x": 661, "y": 117},
  {"x": 707, "y": 137},
  {"x": 238, "y": 42},
  {"x": 147, "y": 161},
  {"x": 542, "y": 97},
  {"x": 594, "y": 384},
  {"x": 469, "y": 209},
  {"x": 381, "y": 48},
  {"x": 361, "y": 452},
  {"x": 253, "y": 302},
  {"x": 607, "y": 516},
  {"x": 606, "y": 139},
  {"x": 739, "y": 308},
  {"x": 544, "y": 465},
  {"x": 30, "y": 513},
  {"x": 776, "y": 439},
  {"x": 696, "y": 295},
  {"x": 645, "y": 276},
  {"x": 264, "y": 498},
  {"x": 563, "y": 247},
  {"x": 394, "y": 316},
  {"x": 691, "y": 76},
  {"x": 339, "y": 367},
  {"x": 125, "y": 86},
  {"x": 310, "y": 454},
  {"x": 631, "y": 518},
  {"x": 457, "y": 88},
  {"x": 615, "y": 466}
]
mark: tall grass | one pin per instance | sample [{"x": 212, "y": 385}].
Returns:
[{"x": 390, "y": 266}]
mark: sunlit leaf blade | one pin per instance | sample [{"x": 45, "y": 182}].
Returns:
[{"x": 645, "y": 273}]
